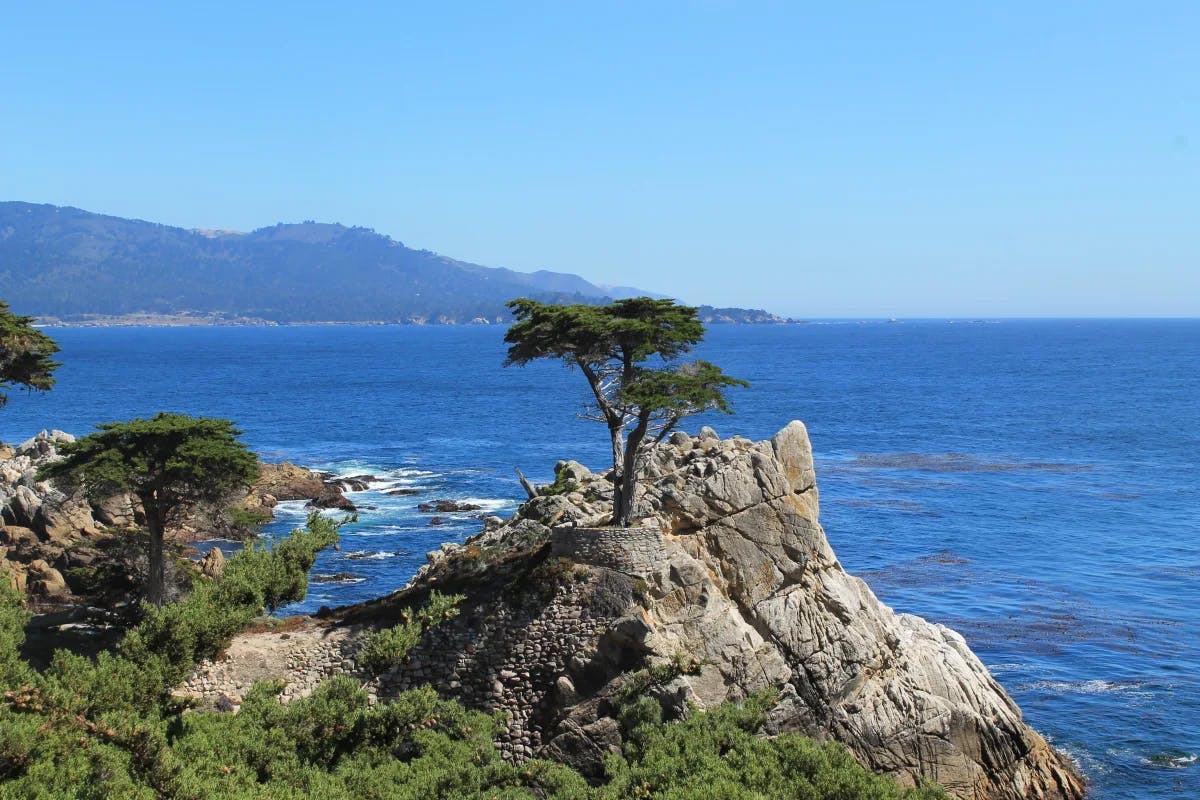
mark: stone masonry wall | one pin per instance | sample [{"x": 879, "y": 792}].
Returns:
[
  {"x": 518, "y": 666},
  {"x": 634, "y": 551},
  {"x": 512, "y": 657}
]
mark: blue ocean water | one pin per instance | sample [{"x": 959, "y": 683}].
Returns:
[{"x": 1032, "y": 484}]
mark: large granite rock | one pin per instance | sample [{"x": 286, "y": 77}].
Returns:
[
  {"x": 743, "y": 594},
  {"x": 287, "y": 481},
  {"x": 749, "y": 592}
]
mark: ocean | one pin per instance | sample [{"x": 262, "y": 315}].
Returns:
[{"x": 1031, "y": 484}]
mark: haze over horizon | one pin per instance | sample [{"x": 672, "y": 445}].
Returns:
[{"x": 953, "y": 162}]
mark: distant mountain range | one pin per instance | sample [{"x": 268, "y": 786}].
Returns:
[{"x": 67, "y": 265}]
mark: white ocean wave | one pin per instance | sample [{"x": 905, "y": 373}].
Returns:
[
  {"x": 1170, "y": 760},
  {"x": 292, "y": 509},
  {"x": 490, "y": 503},
  {"x": 369, "y": 555},
  {"x": 1093, "y": 686},
  {"x": 336, "y": 580},
  {"x": 1000, "y": 669},
  {"x": 403, "y": 472},
  {"x": 390, "y": 531}
]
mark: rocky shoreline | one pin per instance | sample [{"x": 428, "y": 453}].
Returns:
[
  {"x": 732, "y": 589},
  {"x": 63, "y": 549}
]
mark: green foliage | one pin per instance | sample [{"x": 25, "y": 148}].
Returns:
[
  {"x": 610, "y": 345},
  {"x": 108, "y": 728},
  {"x": 641, "y": 590},
  {"x": 547, "y": 577},
  {"x": 24, "y": 355},
  {"x": 171, "y": 462},
  {"x": 391, "y": 646},
  {"x": 682, "y": 391},
  {"x": 13, "y": 617},
  {"x": 716, "y": 755},
  {"x": 638, "y": 683},
  {"x": 626, "y": 331},
  {"x": 170, "y": 459},
  {"x": 563, "y": 484},
  {"x": 644, "y": 710},
  {"x": 245, "y": 524}
]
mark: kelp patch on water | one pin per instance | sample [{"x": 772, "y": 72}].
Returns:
[
  {"x": 889, "y": 504},
  {"x": 915, "y": 571},
  {"x": 958, "y": 462}
]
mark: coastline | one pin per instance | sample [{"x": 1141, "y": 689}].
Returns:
[{"x": 179, "y": 321}]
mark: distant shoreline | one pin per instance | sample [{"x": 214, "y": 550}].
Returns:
[{"x": 181, "y": 321}]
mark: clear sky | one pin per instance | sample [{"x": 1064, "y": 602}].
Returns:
[{"x": 836, "y": 159}]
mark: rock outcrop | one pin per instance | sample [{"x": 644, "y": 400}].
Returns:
[
  {"x": 286, "y": 481},
  {"x": 734, "y": 589},
  {"x": 41, "y": 528},
  {"x": 45, "y": 531}
]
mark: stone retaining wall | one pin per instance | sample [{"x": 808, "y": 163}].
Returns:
[
  {"x": 634, "y": 551},
  {"x": 509, "y": 657}
]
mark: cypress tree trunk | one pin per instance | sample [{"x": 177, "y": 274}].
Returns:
[
  {"x": 619, "y": 472},
  {"x": 626, "y": 484},
  {"x": 156, "y": 583}
]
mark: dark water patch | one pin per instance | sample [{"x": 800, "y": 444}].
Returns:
[
  {"x": 946, "y": 558},
  {"x": 944, "y": 568},
  {"x": 958, "y": 462},
  {"x": 1187, "y": 571},
  {"x": 1034, "y": 632},
  {"x": 904, "y": 506}
]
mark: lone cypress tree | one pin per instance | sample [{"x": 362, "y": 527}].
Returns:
[
  {"x": 170, "y": 462},
  {"x": 24, "y": 354},
  {"x": 611, "y": 346}
]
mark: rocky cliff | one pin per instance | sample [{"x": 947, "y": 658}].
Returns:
[{"x": 729, "y": 587}]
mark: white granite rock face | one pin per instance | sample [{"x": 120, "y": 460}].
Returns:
[
  {"x": 750, "y": 586},
  {"x": 776, "y": 609}
]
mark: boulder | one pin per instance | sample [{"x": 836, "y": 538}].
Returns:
[
  {"x": 46, "y": 581},
  {"x": 118, "y": 511},
  {"x": 286, "y": 481},
  {"x": 212, "y": 565},
  {"x": 331, "y": 496},
  {"x": 62, "y": 519},
  {"x": 447, "y": 506}
]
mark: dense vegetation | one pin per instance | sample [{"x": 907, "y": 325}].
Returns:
[
  {"x": 110, "y": 728},
  {"x": 24, "y": 355}
]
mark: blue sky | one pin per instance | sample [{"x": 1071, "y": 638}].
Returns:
[{"x": 848, "y": 159}]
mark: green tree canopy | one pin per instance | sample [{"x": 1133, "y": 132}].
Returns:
[
  {"x": 170, "y": 463},
  {"x": 610, "y": 345},
  {"x": 24, "y": 355}
]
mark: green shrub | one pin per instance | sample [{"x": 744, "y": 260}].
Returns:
[
  {"x": 391, "y": 646},
  {"x": 245, "y": 524},
  {"x": 563, "y": 484},
  {"x": 716, "y": 754},
  {"x": 108, "y": 728}
]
